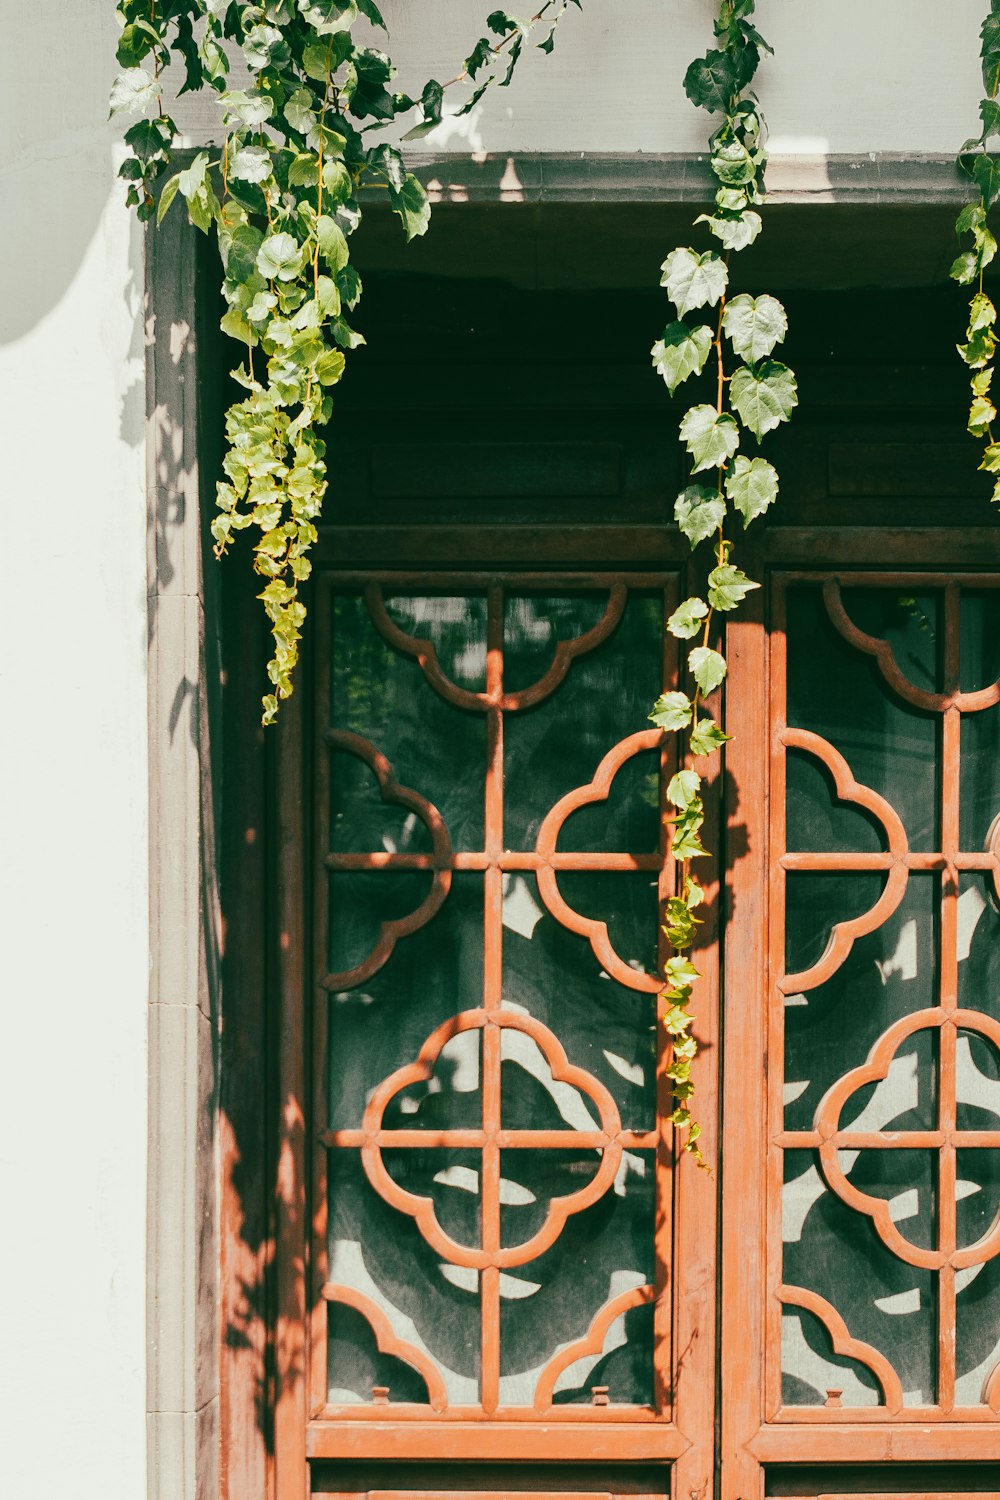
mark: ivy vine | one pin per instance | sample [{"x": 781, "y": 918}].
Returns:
[
  {"x": 282, "y": 202},
  {"x": 751, "y": 397},
  {"x": 983, "y": 166}
]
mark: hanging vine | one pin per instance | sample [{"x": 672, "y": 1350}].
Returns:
[
  {"x": 977, "y": 160},
  {"x": 753, "y": 393},
  {"x": 282, "y": 201}
]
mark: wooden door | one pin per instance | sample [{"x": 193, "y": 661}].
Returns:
[
  {"x": 861, "y": 1277},
  {"x": 494, "y": 1276}
]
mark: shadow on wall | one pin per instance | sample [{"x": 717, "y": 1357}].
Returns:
[{"x": 57, "y": 166}]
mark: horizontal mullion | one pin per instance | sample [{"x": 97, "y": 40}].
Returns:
[
  {"x": 636, "y": 1434},
  {"x": 915, "y": 860},
  {"x": 905, "y": 1140},
  {"x": 476, "y": 1140},
  {"x": 529, "y": 860}
]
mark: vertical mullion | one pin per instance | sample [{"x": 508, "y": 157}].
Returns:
[
  {"x": 951, "y": 746},
  {"x": 774, "y": 1068},
  {"x": 292, "y": 1235},
  {"x": 489, "y": 1283},
  {"x": 745, "y": 1018},
  {"x": 695, "y": 1260}
]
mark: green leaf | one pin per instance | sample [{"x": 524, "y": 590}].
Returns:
[
  {"x": 330, "y": 367},
  {"x": 981, "y": 415},
  {"x": 707, "y": 737},
  {"x": 754, "y": 325},
  {"x": 240, "y": 252},
  {"x": 168, "y": 195},
  {"x": 327, "y": 16},
  {"x": 369, "y": 9},
  {"x": 986, "y": 171},
  {"x": 711, "y": 438},
  {"x": 981, "y": 382},
  {"x": 679, "y": 925},
  {"x": 764, "y": 395},
  {"x": 711, "y": 82},
  {"x": 752, "y": 486},
  {"x": 682, "y": 351},
  {"x": 683, "y": 788},
  {"x": 132, "y": 91},
  {"x": 737, "y": 233},
  {"x": 979, "y": 350},
  {"x": 412, "y": 205},
  {"x": 708, "y": 667},
  {"x": 332, "y": 242},
  {"x": 982, "y": 313},
  {"x": 991, "y": 459},
  {"x": 964, "y": 268},
  {"x": 299, "y": 112},
  {"x": 685, "y": 621},
  {"x": 693, "y": 280},
  {"x": 280, "y": 257},
  {"x": 699, "y": 512},
  {"x": 671, "y": 711},
  {"x": 684, "y": 845},
  {"x": 989, "y": 113},
  {"x": 728, "y": 586},
  {"x": 734, "y": 165},
  {"x": 250, "y": 164}
]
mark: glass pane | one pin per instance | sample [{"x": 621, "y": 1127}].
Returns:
[
  {"x": 837, "y": 691},
  {"x": 556, "y": 746}
]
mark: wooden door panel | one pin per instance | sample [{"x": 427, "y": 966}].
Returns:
[
  {"x": 878, "y": 1143},
  {"x": 491, "y": 1175}
]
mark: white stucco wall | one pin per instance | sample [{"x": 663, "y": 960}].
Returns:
[
  {"x": 846, "y": 78},
  {"x": 72, "y": 771}
]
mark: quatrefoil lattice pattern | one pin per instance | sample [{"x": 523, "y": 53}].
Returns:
[
  {"x": 417, "y": 1134},
  {"x": 856, "y": 1130}
]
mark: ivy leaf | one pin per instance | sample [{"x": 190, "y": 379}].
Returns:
[
  {"x": 982, "y": 313},
  {"x": 708, "y": 668},
  {"x": 671, "y": 711},
  {"x": 711, "y": 82},
  {"x": 132, "y": 91},
  {"x": 250, "y": 164},
  {"x": 693, "y": 280},
  {"x": 986, "y": 171},
  {"x": 981, "y": 415},
  {"x": 981, "y": 382},
  {"x": 752, "y": 486},
  {"x": 410, "y": 202},
  {"x": 684, "y": 845},
  {"x": 168, "y": 195},
  {"x": 330, "y": 367},
  {"x": 737, "y": 233},
  {"x": 369, "y": 9},
  {"x": 754, "y": 325},
  {"x": 327, "y": 16},
  {"x": 728, "y": 586},
  {"x": 240, "y": 251},
  {"x": 989, "y": 113},
  {"x": 685, "y": 621},
  {"x": 707, "y": 737},
  {"x": 280, "y": 258},
  {"x": 683, "y": 788},
  {"x": 734, "y": 165},
  {"x": 979, "y": 350},
  {"x": 764, "y": 395},
  {"x": 332, "y": 242},
  {"x": 679, "y": 926},
  {"x": 699, "y": 512},
  {"x": 298, "y": 111},
  {"x": 711, "y": 438},
  {"x": 682, "y": 351}
]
